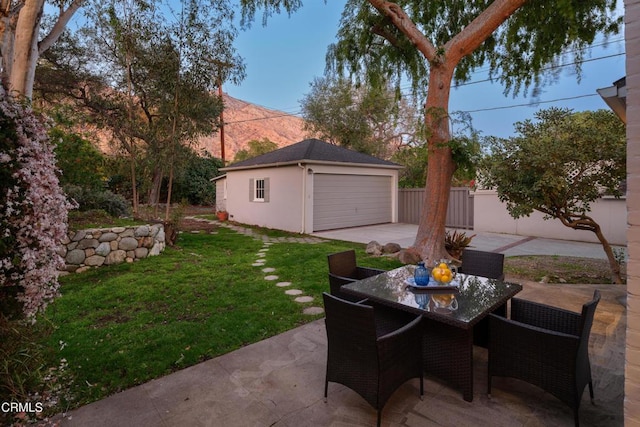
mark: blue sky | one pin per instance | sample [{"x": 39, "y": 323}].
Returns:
[{"x": 285, "y": 56}]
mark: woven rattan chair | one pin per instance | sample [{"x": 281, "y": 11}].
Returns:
[
  {"x": 335, "y": 285},
  {"x": 343, "y": 264},
  {"x": 544, "y": 346},
  {"x": 481, "y": 263},
  {"x": 371, "y": 354},
  {"x": 485, "y": 264}
]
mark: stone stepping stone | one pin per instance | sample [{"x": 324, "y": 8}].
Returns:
[
  {"x": 264, "y": 250},
  {"x": 293, "y": 292},
  {"x": 283, "y": 284},
  {"x": 304, "y": 299},
  {"x": 261, "y": 254},
  {"x": 271, "y": 277},
  {"x": 312, "y": 311},
  {"x": 268, "y": 270},
  {"x": 257, "y": 264}
]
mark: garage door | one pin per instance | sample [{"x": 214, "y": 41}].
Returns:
[{"x": 341, "y": 201}]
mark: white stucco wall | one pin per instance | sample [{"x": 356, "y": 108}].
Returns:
[
  {"x": 291, "y": 194},
  {"x": 632, "y": 353},
  {"x": 283, "y": 211},
  {"x": 491, "y": 215}
]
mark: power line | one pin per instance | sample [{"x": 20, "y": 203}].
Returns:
[
  {"x": 603, "y": 43},
  {"x": 531, "y": 103},
  {"x": 547, "y": 69},
  {"x": 265, "y": 118}
]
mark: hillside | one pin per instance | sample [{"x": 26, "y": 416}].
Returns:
[{"x": 245, "y": 122}]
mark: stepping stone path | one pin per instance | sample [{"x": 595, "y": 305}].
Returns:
[{"x": 262, "y": 255}]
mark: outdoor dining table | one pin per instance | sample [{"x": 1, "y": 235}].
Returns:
[{"x": 448, "y": 333}]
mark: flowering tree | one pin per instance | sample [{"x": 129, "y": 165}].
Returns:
[{"x": 33, "y": 211}]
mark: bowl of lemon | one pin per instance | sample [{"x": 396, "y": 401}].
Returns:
[{"x": 443, "y": 272}]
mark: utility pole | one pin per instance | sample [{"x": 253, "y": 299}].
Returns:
[{"x": 221, "y": 123}]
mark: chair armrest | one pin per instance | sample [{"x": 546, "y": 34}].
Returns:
[
  {"x": 545, "y": 316},
  {"x": 411, "y": 327},
  {"x": 364, "y": 272},
  {"x": 403, "y": 342}
]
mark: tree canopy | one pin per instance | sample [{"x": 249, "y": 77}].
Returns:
[
  {"x": 365, "y": 119},
  {"x": 380, "y": 41},
  {"x": 559, "y": 165},
  {"x": 26, "y": 32},
  {"x": 255, "y": 148}
]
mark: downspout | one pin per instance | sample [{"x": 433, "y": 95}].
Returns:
[{"x": 304, "y": 196}]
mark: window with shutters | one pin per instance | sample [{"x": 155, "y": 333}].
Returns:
[{"x": 259, "y": 190}]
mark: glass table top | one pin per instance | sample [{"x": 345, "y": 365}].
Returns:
[{"x": 474, "y": 297}]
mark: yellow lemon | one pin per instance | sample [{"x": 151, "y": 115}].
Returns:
[
  {"x": 443, "y": 265},
  {"x": 446, "y": 277},
  {"x": 437, "y": 274}
]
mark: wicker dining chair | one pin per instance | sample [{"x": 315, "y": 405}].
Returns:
[
  {"x": 335, "y": 288},
  {"x": 365, "y": 354},
  {"x": 545, "y": 346},
  {"x": 343, "y": 264},
  {"x": 482, "y": 263}
]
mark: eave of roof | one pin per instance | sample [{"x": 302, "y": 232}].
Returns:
[
  {"x": 311, "y": 162},
  {"x": 312, "y": 151}
]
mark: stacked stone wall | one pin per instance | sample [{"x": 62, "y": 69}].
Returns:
[{"x": 106, "y": 246}]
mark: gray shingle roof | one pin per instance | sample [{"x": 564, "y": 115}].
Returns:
[{"x": 309, "y": 151}]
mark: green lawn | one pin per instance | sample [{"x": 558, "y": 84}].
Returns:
[{"x": 120, "y": 326}]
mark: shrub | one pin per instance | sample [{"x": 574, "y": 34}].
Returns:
[{"x": 105, "y": 200}]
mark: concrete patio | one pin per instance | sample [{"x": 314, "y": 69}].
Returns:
[{"x": 280, "y": 381}]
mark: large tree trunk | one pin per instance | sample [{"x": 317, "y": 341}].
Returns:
[
  {"x": 429, "y": 241},
  {"x": 25, "y": 48}
]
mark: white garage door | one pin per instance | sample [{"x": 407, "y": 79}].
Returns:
[{"x": 341, "y": 201}]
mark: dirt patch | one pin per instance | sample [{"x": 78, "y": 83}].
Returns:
[
  {"x": 191, "y": 225},
  {"x": 557, "y": 269}
]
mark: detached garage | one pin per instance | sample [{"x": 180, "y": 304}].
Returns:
[{"x": 312, "y": 186}]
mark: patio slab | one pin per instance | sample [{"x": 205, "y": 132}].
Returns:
[
  {"x": 508, "y": 244},
  {"x": 280, "y": 382}
]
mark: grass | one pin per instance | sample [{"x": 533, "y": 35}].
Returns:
[{"x": 120, "y": 326}]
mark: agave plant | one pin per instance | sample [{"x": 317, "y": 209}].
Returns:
[{"x": 455, "y": 243}]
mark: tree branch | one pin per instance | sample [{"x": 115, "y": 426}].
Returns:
[
  {"x": 474, "y": 34},
  {"x": 62, "y": 21},
  {"x": 405, "y": 24}
]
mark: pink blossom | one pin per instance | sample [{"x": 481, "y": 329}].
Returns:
[{"x": 34, "y": 213}]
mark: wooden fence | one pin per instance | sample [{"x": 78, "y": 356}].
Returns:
[{"x": 459, "y": 211}]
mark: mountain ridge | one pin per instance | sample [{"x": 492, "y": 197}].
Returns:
[{"x": 244, "y": 122}]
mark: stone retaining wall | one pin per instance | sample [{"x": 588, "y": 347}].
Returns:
[{"x": 106, "y": 246}]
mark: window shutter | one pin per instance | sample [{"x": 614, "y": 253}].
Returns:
[
  {"x": 251, "y": 190},
  {"x": 266, "y": 190}
]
